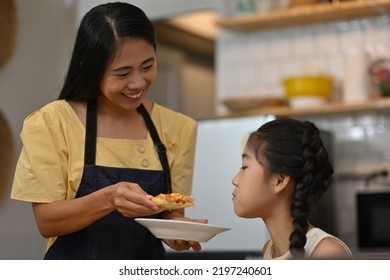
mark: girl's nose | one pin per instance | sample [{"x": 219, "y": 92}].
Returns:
[{"x": 235, "y": 180}]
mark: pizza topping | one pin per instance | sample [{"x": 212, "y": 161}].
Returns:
[{"x": 172, "y": 201}]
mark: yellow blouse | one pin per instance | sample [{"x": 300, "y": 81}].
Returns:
[{"x": 51, "y": 162}]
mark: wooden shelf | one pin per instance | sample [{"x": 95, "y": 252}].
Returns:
[
  {"x": 310, "y": 14},
  {"x": 377, "y": 106}
]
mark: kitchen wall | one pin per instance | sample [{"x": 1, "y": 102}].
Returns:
[
  {"x": 185, "y": 82},
  {"x": 360, "y": 148},
  {"x": 29, "y": 79},
  {"x": 253, "y": 63}
]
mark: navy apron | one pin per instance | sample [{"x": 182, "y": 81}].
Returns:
[{"x": 114, "y": 236}]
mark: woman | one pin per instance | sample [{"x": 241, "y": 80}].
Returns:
[
  {"x": 92, "y": 160},
  {"x": 285, "y": 171}
]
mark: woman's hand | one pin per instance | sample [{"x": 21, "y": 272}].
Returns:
[
  {"x": 182, "y": 245},
  {"x": 66, "y": 216},
  {"x": 131, "y": 200}
]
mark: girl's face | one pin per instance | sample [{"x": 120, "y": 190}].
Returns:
[
  {"x": 129, "y": 75},
  {"x": 252, "y": 193}
]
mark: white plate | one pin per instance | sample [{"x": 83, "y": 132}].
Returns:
[{"x": 181, "y": 230}]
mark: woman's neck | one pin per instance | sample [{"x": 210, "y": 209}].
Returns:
[{"x": 116, "y": 124}]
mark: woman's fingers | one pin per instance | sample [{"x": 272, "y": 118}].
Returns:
[
  {"x": 182, "y": 245},
  {"x": 131, "y": 200}
]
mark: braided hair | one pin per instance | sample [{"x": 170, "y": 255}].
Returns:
[{"x": 294, "y": 148}]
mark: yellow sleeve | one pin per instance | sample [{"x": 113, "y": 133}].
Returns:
[
  {"x": 41, "y": 170},
  {"x": 182, "y": 169}
]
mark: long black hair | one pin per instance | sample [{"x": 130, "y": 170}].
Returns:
[
  {"x": 295, "y": 148},
  {"x": 94, "y": 47}
]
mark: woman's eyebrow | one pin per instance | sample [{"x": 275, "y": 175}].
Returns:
[
  {"x": 122, "y": 68},
  {"x": 126, "y": 67}
]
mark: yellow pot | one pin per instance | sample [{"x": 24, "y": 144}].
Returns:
[{"x": 313, "y": 86}]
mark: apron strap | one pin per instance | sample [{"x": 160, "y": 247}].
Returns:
[
  {"x": 160, "y": 147},
  {"x": 90, "y": 133}
]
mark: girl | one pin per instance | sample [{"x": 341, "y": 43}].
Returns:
[{"x": 285, "y": 170}]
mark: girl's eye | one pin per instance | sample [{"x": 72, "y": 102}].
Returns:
[
  {"x": 123, "y": 75},
  {"x": 243, "y": 167}
]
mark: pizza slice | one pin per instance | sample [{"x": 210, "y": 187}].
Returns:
[{"x": 172, "y": 201}]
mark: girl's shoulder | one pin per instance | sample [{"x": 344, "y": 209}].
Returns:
[
  {"x": 329, "y": 245},
  {"x": 326, "y": 246}
]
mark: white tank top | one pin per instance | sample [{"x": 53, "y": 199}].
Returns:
[{"x": 313, "y": 237}]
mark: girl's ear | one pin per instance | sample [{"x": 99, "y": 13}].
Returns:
[{"x": 280, "y": 182}]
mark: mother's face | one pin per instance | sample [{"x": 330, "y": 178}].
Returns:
[{"x": 130, "y": 74}]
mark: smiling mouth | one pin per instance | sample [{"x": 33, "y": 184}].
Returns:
[{"x": 133, "y": 96}]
